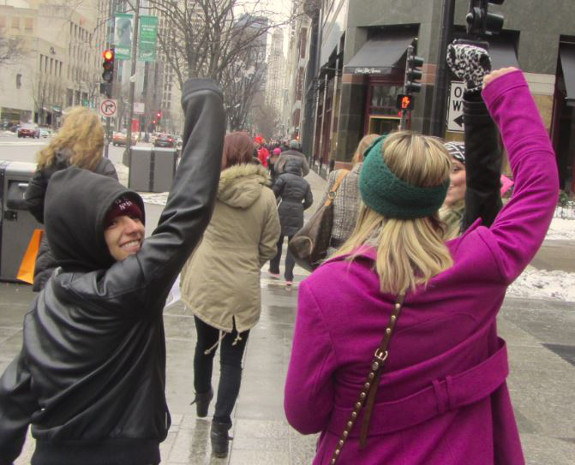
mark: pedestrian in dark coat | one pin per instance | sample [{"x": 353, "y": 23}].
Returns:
[
  {"x": 291, "y": 155},
  {"x": 294, "y": 195},
  {"x": 79, "y": 142},
  {"x": 91, "y": 376}
]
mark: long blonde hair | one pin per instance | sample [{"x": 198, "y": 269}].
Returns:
[
  {"x": 409, "y": 252},
  {"x": 81, "y": 135}
]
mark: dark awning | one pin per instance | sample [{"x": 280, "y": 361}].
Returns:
[
  {"x": 502, "y": 55},
  {"x": 379, "y": 55},
  {"x": 567, "y": 57}
]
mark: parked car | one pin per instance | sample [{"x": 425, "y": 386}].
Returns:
[
  {"x": 119, "y": 139},
  {"x": 164, "y": 140},
  {"x": 45, "y": 133},
  {"x": 29, "y": 130}
]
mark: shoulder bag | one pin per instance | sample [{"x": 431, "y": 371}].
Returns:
[
  {"x": 309, "y": 245},
  {"x": 370, "y": 386}
]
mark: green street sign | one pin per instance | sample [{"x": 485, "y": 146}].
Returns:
[
  {"x": 123, "y": 33},
  {"x": 148, "y": 36}
]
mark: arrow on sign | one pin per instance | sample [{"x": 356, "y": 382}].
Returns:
[{"x": 459, "y": 120}]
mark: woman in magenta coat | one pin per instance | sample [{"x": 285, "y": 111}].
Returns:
[{"x": 442, "y": 397}]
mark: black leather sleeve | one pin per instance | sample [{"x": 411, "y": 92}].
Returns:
[
  {"x": 482, "y": 163},
  {"x": 142, "y": 282},
  {"x": 17, "y": 403}
]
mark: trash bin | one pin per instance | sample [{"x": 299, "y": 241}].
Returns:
[
  {"x": 152, "y": 169},
  {"x": 17, "y": 224}
]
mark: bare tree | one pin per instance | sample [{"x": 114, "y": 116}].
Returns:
[
  {"x": 265, "y": 118},
  {"x": 221, "y": 39},
  {"x": 11, "y": 48}
]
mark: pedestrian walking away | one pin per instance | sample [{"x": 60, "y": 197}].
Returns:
[
  {"x": 241, "y": 237},
  {"x": 79, "y": 142},
  {"x": 290, "y": 156},
  {"x": 90, "y": 377},
  {"x": 347, "y": 200},
  {"x": 396, "y": 340},
  {"x": 294, "y": 196}
]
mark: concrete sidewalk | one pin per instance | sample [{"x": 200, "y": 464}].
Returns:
[{"x": 539, "y": 335}]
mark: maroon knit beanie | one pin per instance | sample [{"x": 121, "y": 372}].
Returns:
[{"x": 123, "y": 206}]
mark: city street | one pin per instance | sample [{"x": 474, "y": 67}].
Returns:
[{"x": 539, "y": 333}]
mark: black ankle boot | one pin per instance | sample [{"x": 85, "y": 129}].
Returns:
[
  {"x": 202, "y": 402},
  {"x": 220, "y": 438}
]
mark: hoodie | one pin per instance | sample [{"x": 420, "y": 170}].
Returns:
[{"x": 90, "y": 378}]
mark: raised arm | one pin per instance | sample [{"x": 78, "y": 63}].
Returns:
[
  {"x": 149, "y": 275},
  {"x": 520, "y": 227}
]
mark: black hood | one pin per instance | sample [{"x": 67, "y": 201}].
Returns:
[{"x": 76, "y": 203}]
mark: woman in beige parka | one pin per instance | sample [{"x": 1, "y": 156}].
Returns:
[{"x": 221, "y": 280}]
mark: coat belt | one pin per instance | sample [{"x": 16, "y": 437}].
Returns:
[{"x": 441, "y": 396}]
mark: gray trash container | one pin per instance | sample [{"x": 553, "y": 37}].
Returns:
[
  {"x": 17, "y": 224},
  {"x": 152, "y": 169}
]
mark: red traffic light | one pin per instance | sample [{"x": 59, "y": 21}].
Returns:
[
  {"x": 159, "y": 115},
  {"x": 405, "y": 102},
  {"x": 108, "y": 55}
]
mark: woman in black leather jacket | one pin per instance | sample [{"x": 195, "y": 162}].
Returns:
[{"x": 90, "y": 378}]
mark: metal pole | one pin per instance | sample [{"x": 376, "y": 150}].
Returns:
[
  {"x": 109, "y": 40},
  {"x": 133, "y": 78},
  {"x": 439, "y": 105}
]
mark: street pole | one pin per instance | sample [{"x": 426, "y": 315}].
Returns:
[
  {"x": 439, "y": 105},
  {"x": 109, "y": 40},
  {"x": 133, "y": 78}
]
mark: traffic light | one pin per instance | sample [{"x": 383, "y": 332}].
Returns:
[
  {"x": 405, "y": 102},
  {"x": 108, "y": 65},
  {"x": 413, "y": 71},
  {"x": 480, "y": 21},
  {"x": 159, "y": 115}
]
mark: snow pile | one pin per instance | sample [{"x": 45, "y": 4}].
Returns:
[
  {"x": 561, "y": 229},
  {"x": 542, "y": 284}
]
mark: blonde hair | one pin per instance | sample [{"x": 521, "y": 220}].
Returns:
[
  {"x": 363, "y": 145},
  {"x": 81, "y": 134},
  {"x": 409, "y": 252}
]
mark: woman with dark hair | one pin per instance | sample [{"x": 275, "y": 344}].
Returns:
[{"x": 241, "y": 237}]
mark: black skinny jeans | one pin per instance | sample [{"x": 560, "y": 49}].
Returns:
[
  {"x": 230, "y": 367},
  {"x": 290, "y": 260}
]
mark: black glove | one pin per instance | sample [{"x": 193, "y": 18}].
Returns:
[{"x": 469, "y": 63}]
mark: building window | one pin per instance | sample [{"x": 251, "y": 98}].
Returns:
[
  {"x": 16, "y": 23},
  {"x": 383, "y": 100},
  {"x": 28, "y": 24}
]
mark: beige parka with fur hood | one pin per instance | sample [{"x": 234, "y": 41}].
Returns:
[{"x": 220, "y": 282}]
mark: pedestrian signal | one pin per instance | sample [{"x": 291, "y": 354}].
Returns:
[{"x": 405, "y": 102}]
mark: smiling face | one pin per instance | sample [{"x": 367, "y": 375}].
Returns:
[
  {"x": 124, "y": 236},
  {"x": 457, "y": 184}
]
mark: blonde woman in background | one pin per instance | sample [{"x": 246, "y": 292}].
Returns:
[
  {"x": 79, "y": 142},
  {"x": 347, "y": 200}
]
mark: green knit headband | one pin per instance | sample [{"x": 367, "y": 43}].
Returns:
[{"x": 384, "y": 192}]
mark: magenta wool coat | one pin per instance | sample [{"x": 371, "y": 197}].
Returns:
[{"x": 443, "y": 398}]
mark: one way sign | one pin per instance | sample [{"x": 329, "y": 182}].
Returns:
[{"x": 455, "y": 113}]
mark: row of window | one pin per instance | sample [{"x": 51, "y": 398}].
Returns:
[{"x": 17, "y": 24}]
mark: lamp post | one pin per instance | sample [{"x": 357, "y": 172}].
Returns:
[{"x": 133, "y": 78}]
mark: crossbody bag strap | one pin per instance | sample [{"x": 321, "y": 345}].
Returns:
[
  {"x": 335, "y": 187},
  {"x": 369, "y": 389}
]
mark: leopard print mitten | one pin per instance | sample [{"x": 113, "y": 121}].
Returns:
[{"x": 469, "y": 63}]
